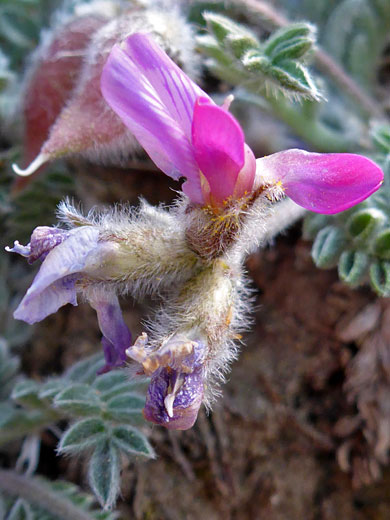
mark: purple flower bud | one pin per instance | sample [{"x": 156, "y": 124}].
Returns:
[{"x": 51, "y": 80}]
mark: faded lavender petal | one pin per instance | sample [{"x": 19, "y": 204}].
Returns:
[
  {"x": 70, "y": 257},
  {"x": 178, "y": 353},
  {"x": 19, "y": 249},
  {"x": 155, "y": 100},
  {"x": 116, "y": 335},
  {"x": 54, "y": 285},
  {"x": 323, "y": 183}
]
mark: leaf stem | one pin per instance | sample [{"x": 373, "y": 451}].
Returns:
[
  {"x": 311, "y": 130},
  {"x": 324, "y": 61},
  {"x": 39, "y": 494}
]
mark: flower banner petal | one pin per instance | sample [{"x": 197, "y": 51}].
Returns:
[
  {"x": 323, "y": 183},
  {"x": 175, "y": 89},
  {"x": 142, "y": 108}
]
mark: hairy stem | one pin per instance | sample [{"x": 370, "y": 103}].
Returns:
[
  {"x": 285, "y": 214},
  {"x": 39, "y": 494},
  {"x": 324, "y": 61}
]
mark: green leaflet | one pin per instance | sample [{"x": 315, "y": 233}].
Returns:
[
  {"x": 130, "y": 441},
  {"x": 355, "y": 32},
  {"x": 238, "y": 56},
  {"x": 82, "y": 435},
  {"x": 104, "y": 473}
]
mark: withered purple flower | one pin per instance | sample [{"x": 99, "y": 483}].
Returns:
[
  {"x": 176, "y": 389},
  {"x": 69, "y": 267}
]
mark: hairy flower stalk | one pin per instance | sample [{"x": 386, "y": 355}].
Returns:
[{"x": 191, "y": 255}]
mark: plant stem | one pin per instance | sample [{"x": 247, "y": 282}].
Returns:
[
  {"x": 285, "y": 214},
  {"x": 39, "y": 494},
  {"x": 310, "y": 130},
  {"x": 324, "y": 61}
]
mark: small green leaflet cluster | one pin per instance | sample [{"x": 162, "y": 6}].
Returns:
[
  {"x": 273, "y": 75},
  {"x": 358, "y": 240},
  {"x": 105, "y": 410},
  {"x": 278, "y": 64},
  {"x": 354, "y": 32},
  {"x": 61, "y": 492}
]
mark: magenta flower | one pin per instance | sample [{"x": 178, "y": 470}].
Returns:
[
  {"x": 187, "y": 135},
  {"x": 69, "y": 260}
]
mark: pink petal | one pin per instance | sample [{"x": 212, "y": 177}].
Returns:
[
  {"x": 323, "y": 183},
  {"x": 155, "y": 100},
  {"x": 218, "y": 146},
  {"x": 175, "y": 89},
  {"x": 246, "y": 175}
]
